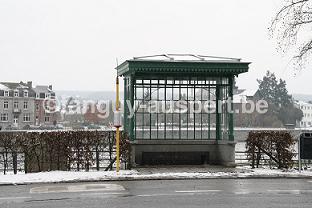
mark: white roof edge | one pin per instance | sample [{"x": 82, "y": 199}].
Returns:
[
  {"x": 3, "y": 87},
  {"x": 186, "y": 57},
  {"x": 300, "y": 102}
]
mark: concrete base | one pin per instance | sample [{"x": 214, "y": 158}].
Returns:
[{"x": 179, "y": 151}]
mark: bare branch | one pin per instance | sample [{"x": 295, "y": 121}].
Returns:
[
  {"x": 291, "y": 24},
  {"x": 305, "y": 49},
  {"x": 287, "y": 7}
]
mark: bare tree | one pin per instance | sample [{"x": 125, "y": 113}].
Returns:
[{"x": 292, "y": 27}]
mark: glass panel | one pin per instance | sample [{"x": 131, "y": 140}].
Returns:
[
  {"x": 147, "y": 94},
  {"x": 205, "y": 119},
  {"x": 161, "y": 81},
  {"x": 153, "y": 120},
  {"x": 183, "y": 93},
  {"x": 176, "y": 125},
  {"x": 146, "y": 133},
  {"x": 161, "y": 120},
  {"x": 161, "y": 126},
  {"x": 169, "y": 93},
  {"x": 139, "y": 133},
  {"x": 139, "y": 119},
  {"x": 165, "y": 95},
  {"x": 139, "y": 93},
  {"x": 176, "y": 94},
  {"x": 161, "y": 134},
  {"x": 154, "y": 93},
  {"x": 213, "y": 134},
  {"x": 154, "y": 133},
  {"x": 169, "y": 81},
  {"x": 169, "y": 126},
  {"x": 146, "y": 119},
  {"x": 146, "y": 81},
  {"x": 225, "y": 80},
  {"x": 161, "y": 94},
  {"x": 190, "y": 132}
]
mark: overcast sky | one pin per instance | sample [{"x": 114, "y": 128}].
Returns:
[{"x": 73, "y": 44}]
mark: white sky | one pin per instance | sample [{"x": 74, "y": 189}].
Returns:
[{"x": 73, "y": 44}]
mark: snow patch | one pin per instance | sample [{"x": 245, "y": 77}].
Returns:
[{"x": 64, "y": 176}]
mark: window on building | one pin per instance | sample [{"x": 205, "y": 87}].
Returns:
[
  {"x": 15, "y": 105},
  {"x": 25, "y": 105},
  {"x": 16, "y": 94},
  {"x": 6, "y": 104},
  {"x": 37, "y": 95},
  {"x": 46, "y": 119},
  {"x": 25, "y": 93},
  {"x": 47, "y": 95},
  {"x": 6, "y": 93},
  {"x": 15, "y": 119},
  {"x": 4, "y": 117},
  {"x": 26, "y": 117}
]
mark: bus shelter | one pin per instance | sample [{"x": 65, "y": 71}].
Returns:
[{"x": 178, "y": 109}]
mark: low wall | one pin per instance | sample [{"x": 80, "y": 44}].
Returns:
[{"x": 183, "y": 152}]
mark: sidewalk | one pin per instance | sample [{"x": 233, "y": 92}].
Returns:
[{"x": 152, "y": 173}]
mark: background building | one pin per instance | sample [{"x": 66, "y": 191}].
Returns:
[
  {"x": 22, "y": 105},
  {"x": 45, "y": 97},
  {"x": 306, "y": 108},
  {"x": 16, "y": 105}
]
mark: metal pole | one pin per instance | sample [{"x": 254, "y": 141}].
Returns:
[
  {"x": 299, "y": 154},
  {"x": 14, "y": 154},
  {"x": 117, "y": 127}
]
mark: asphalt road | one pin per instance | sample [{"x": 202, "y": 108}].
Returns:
[{"x": 163, "y": 193}]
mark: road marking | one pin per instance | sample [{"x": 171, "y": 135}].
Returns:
[
  {"x": 152, "y": 195},
  {"x": 242, "y": 192},
  {"x": 100, "y": 194},
  {"x": 291, "y": 191},
  {"x": 76, "y": 188},
  {"x": 14, "y": 198},
  {"x": 197, "y": 191},
  {"x": 180, "y": 193}
]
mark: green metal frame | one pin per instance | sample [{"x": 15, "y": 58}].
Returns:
[
  {"x": 169, "y": 78},
  {"x": 163, "y": 68}
]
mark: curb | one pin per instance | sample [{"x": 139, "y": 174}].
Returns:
[{"x": 155, "y": 178}]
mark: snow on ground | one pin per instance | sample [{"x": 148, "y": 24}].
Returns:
[{"x": 63, "y": 176}]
